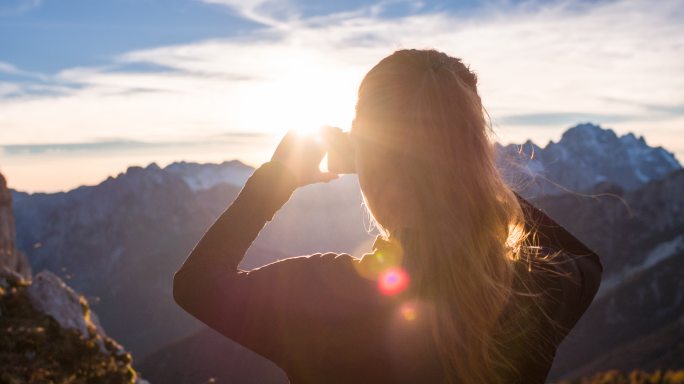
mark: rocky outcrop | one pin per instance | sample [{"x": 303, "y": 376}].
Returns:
[
  {"x": 10, "y": 257},
  {"x": 42, "y": 341},
  {"x": 51, "y": 296}
]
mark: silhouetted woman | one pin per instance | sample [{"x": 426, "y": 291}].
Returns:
[{"x": 467, "y": 282}]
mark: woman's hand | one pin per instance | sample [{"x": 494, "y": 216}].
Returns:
[{"x": 301, "y": 154}]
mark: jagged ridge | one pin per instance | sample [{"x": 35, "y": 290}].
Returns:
[{"x": 586, "y": 155}]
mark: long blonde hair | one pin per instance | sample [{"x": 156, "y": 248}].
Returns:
[{"x": 426, "y": 165}]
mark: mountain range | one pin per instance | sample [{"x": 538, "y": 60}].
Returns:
[
  {"x": 585, "y": 155},
  {"x": 120, "y": 241}
]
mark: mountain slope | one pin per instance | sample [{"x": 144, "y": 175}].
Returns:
[{"x": 640, "y": 239}]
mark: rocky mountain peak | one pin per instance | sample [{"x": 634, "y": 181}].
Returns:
[
  {"x": 587, "y": 154},
  {"x": 205, "y": 176},
  {"x": 588, "y": 131}
]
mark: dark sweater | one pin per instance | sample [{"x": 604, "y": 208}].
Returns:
[{"x": 322, "y": 322}]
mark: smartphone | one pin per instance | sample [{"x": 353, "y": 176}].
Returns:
[{"x": 341, "y": 156}]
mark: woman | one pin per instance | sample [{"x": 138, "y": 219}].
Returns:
[{"x": 467, "y": 283}]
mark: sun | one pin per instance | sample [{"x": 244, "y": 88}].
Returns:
[{"x": 304, "y": 96}]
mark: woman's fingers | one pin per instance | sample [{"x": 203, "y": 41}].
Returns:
[
  {"x": 302, "y": 154},
  {"x": 285, "y": 147}
]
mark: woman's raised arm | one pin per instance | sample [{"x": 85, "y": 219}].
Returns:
[{"x": 251, "y": 307}]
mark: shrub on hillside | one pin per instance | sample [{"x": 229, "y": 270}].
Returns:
[
  {"x": 34, "y": 348},
  {"x": 633, "y": 377}
]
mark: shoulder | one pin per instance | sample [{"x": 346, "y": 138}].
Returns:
[
  {"x": 327, "y": 266},
  {"x": 320, "y": 282},
  {"x": 537, "y": 278},
  {"x": 562, "y": 283},
  {"x": 311, "y": 261}
]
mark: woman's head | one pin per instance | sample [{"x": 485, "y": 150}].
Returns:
[
  {"x": 419, "y": 122},
  {"x": 427, "y": 172}
]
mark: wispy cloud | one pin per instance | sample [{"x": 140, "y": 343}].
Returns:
[
  {"x": 271, "y": 13},
  {"x": 117, "y": 145},
  {"x": 10, "y": 69},
  {"x": 16, "y": 7},
  {"x": 617, "y": 61}
]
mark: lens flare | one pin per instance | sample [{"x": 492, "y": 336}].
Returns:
[
  {"x": 374, "y": 264},
  {"x": 393, "y": 281},
  {"x": 408, "y": 311}
]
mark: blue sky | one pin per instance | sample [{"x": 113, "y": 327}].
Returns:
[
  {"x": 50, "y": 35},
  {"x": 95, "y": 86}
]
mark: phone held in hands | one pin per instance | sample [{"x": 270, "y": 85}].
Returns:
[{"x": 341, "y": 156}]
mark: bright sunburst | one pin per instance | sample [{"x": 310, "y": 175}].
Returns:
[{"x": 303, "y": 96}]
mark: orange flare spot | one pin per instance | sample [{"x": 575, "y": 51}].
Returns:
[
  {"x": 408, "y": 310},
  {"x": 374, "y": 264}
]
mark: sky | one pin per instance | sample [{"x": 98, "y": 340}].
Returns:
[{"x": 88, "y": 88}]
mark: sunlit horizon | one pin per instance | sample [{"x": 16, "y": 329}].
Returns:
[{"x": 25, "y": 168}]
